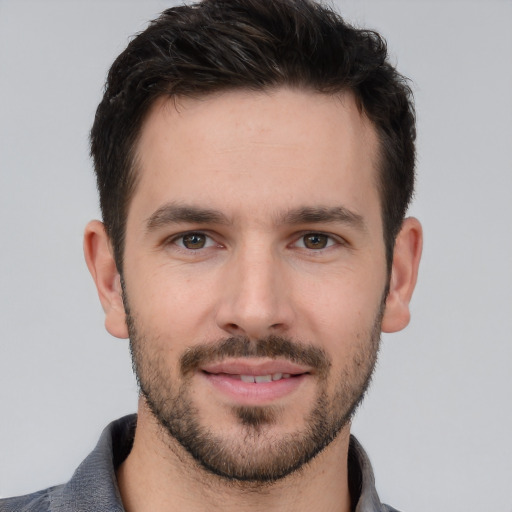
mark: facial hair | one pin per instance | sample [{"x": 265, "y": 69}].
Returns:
[{"x": 255, "y": 454}]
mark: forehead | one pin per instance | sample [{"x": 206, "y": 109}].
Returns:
[{"x": 271, "y": 148}]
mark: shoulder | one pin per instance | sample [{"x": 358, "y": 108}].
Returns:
[
  {"x": 35, "y": 502},
  {"x": 93, "y": 486}
]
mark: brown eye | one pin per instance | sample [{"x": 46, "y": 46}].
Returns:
[
  {"x": 315, "y": 241},
  {"x": 193, "y": 240}
]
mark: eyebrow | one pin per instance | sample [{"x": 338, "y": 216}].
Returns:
[
  {"x": 172, "y": 213},
  {"x": 312, "y": 215}
]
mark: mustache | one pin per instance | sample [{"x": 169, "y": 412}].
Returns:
[{"x": 273, "y": 347}]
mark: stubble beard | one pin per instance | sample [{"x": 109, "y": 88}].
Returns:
[{"x": 255, "y": 454}]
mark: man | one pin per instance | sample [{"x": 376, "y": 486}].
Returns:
[{"x": 255, "y": 161}]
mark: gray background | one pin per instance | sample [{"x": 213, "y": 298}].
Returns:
[{"x": 437, "y": 422}]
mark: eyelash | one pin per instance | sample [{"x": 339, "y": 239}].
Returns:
[
  {"x": 209, "y": 241},
  {"x": 329, "y": 239}
]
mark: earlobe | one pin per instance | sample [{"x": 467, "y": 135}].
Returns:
[
  {"x": 102, "y": 266},
  {"x": 406, "y": 260}
]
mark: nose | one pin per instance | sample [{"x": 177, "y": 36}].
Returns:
[{"x": 255, "y": 299}]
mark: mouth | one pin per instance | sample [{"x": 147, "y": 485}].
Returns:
[
  {"x": 255, "y": 382},
  {"x": 257, "y": 379}
]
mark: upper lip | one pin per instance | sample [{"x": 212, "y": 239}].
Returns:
[{"x": 248, "y": 366}]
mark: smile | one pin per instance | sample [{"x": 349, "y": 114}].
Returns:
[
  {"x": 249, "y": 369},
  {"x": 257, "y": 379},
  {"x": 264, "y": 378},
  {"x": 247, "y": 382}
]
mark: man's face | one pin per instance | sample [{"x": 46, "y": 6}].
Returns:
[{"x": 254, "y": 274}]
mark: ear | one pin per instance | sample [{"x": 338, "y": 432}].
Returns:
[
  {"x": 100, "y": 261},
  {"x": 404, "y": 272}
]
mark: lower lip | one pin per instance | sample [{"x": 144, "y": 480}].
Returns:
[{"x": 249, "y": 393}]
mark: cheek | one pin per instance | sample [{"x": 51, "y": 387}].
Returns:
[
  {"x": 341, "y": 302},
  {"x": 169, "y": 303}
]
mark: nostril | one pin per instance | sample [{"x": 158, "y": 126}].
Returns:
[{"x": 234, "y": 329}]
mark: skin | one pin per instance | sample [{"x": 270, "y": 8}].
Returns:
[{"x": 253, "y": 158}]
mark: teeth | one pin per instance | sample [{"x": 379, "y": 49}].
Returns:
[{"x": 264, "y": 378}]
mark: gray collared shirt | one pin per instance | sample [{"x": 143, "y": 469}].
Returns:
[{"x": 93, "y": 486}]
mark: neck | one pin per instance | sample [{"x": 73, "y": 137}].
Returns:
[{"x": 159, "y": 475}]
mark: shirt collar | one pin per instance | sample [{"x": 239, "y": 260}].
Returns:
[{"x": 94, "y": 488}]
